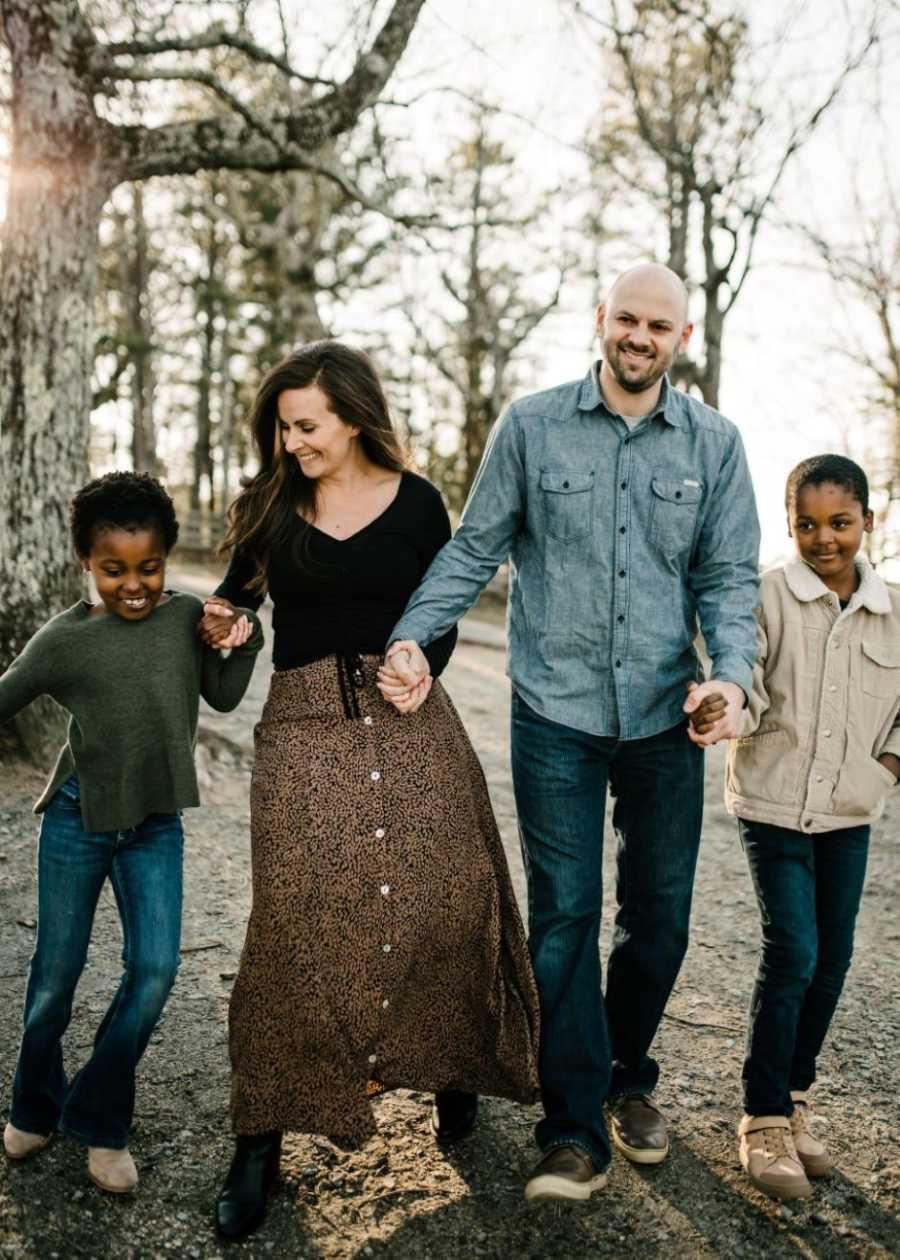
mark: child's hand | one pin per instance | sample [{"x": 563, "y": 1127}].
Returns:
[
  {"x": 222, "y": 626},
  {"x": 890, "y": 762},
  {"x": 710, "y": 710},
  {"x": 725, "y": 723}
]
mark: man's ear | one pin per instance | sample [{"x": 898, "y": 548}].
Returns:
[
  {"x": 600, "y": 318},
  {"x": 685, "y": 336}
]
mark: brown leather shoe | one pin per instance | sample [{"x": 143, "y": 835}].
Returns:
[
  {"x": 638, "y": 1129},
  {"x": 565, "y": 1172}
]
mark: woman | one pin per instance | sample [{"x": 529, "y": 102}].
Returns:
[{"x": 384, "y": 947}]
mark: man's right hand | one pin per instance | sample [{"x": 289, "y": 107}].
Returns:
[{"x": 407, "y": 660}]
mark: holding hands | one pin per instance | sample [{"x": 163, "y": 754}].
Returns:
[
  {"x": 222, "y": 625},
  {"x": 714, "y": 709},
  {"x": 405, "y": 677}
]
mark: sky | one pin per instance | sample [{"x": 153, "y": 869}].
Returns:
[{"x": 785, "y": 382}]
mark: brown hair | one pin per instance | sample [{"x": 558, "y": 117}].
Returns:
[{"x": 268, "y": 508}]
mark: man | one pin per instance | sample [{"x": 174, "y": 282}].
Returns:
[{"x": 627, "y": 513}]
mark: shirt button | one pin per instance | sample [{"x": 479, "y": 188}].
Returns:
[
  {"x": 385, "y": 889},
  {"x": 618, "y": 664},
  {"x": 621, "y": 573},
  {"x": 565, "y": 485},
  {"x": 386, "y": 949},
  {"x": 621, "y": 529},
  {"x": 624, "y": 484},
  {"x": 385, "y": 1004},
  {"x": 827, "y": 734},
  {"x": 373, "y": 1058},
  {"x": 833, "y": 687},
  {"x": 819, "y": 779},
  {"x": 379, "y": 833},
  {"x": 835, "y": 643},
  {"x": 620, "y": 618},
  {"x": 375, "y": 775},
  {"x": 367, "y": 720}
]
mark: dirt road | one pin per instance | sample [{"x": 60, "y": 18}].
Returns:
[{"x": 399, "y": 1197}]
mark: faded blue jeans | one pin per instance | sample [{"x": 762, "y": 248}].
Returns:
[
  {"x": 143, "y": 864},
  {"x": 593, "y": 1049},
  {"x": 808, "y": 889}
]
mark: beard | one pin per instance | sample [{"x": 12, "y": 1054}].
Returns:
[{"x": 635, "y": 377}]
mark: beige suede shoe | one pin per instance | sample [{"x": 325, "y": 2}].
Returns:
[
  {"x": 769, "y": 1158},
  {"x": 20, "y": 1145},
  {"x": 811, "y": 1152},
  {"x": 112, "y": 1170}
]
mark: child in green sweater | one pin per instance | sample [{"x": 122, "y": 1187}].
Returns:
[{"x": 131, "y": 671}]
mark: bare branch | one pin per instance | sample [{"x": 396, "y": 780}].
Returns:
[{"x": 103, "y": 61}]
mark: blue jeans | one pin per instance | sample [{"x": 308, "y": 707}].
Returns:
[
  {"x": 808, "y": 889},
  {"x": 143, "y": 864},
  {"x": 591, "y": 1049}
]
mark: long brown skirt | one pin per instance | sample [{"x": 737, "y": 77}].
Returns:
[{"x": 384, "y": 948}]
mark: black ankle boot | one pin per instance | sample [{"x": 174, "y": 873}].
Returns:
[
  {"x": 241, "y": 1204},
  {"x": 453, "y": 1115}
]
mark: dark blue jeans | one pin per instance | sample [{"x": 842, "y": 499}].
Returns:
[
  {"x": 144, "y": 866},
  {"x": 808, "y": 889},
  {"x": 591, "y": 1049}
]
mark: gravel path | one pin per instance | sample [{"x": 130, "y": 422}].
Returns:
[{"x": 399, "y": 1197}]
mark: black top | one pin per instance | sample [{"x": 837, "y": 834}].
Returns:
[{"x": 345, "y": 596}]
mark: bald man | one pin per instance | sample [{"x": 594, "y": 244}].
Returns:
[{"x": 626, "y": 510}]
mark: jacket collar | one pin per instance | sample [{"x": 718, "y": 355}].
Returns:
[{"x": 806, "y": 585}]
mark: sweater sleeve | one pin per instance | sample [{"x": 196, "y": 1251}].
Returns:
[
  {"x": 27, "y": 677},
  {"x": 436, "y": 532},
  {"x": 224, "y": 679},
  {"x": 233, "y": 586}
]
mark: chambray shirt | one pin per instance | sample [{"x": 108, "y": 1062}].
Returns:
[{"x": 620, "y": 541}]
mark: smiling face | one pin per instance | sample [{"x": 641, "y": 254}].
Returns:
[
  {"x": 129, "y": 571},
  {"x": 313, "y": 434},
  {"x": 827, "y": 523},
  {"x": 642, "y": 326}
]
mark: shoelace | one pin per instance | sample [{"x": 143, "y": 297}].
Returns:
[
  {"x": 798, "y": 1121},
  {"x": 775, "y": 1144}
]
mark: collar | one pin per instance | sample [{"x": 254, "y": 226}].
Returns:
[
  {"x": 806, "y": 585},
  {"x": 591, "y": 397}
]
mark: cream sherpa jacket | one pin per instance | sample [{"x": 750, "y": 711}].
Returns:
[{"x": 825, "y": 704}]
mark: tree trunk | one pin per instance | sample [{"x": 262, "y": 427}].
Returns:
[
  {"x": 48, "y": 259},
  {"x": 143, "y": 441}
]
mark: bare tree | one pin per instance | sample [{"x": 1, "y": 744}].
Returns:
[
  {"x": 688, "y": 126},
  {"x": 501, "y": 283},
  {"x": 865, "y": 268},
  {"x": 70, "y": 149}
]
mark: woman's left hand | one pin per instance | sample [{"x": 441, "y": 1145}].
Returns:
[{"x": 405, "y": 699}]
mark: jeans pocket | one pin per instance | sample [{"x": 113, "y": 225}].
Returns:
[{"x": 68, "y": 794}]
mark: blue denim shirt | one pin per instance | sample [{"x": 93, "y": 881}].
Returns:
[{"x": 620, "y": 540}]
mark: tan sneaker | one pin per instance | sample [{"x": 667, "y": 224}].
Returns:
[
  {"x": 769, "y": 1157},
  {"x": 565, "y": 1172},
  {"x": 112, "y": 1170},
  {"x": 811, "y": 1152},
  {"x": 19, "y": 1145}
]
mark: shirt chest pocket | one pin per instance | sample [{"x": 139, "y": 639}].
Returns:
[
  {"x": 568, "y": 503},
  {"x": 881, "y": 669},
  {"x": 674, "y": 506}
]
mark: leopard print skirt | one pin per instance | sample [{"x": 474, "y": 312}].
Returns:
[{"x": 385, "y": 947}]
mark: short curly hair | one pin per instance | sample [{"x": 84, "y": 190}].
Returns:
[
  {"x": 121, "y": 500},
  {"x": 837, "y": 469}
]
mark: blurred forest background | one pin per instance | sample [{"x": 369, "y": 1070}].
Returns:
[{"x": 451, "y": 186}]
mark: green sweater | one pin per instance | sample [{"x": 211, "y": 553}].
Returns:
[{"x": 133, "y": 689}]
